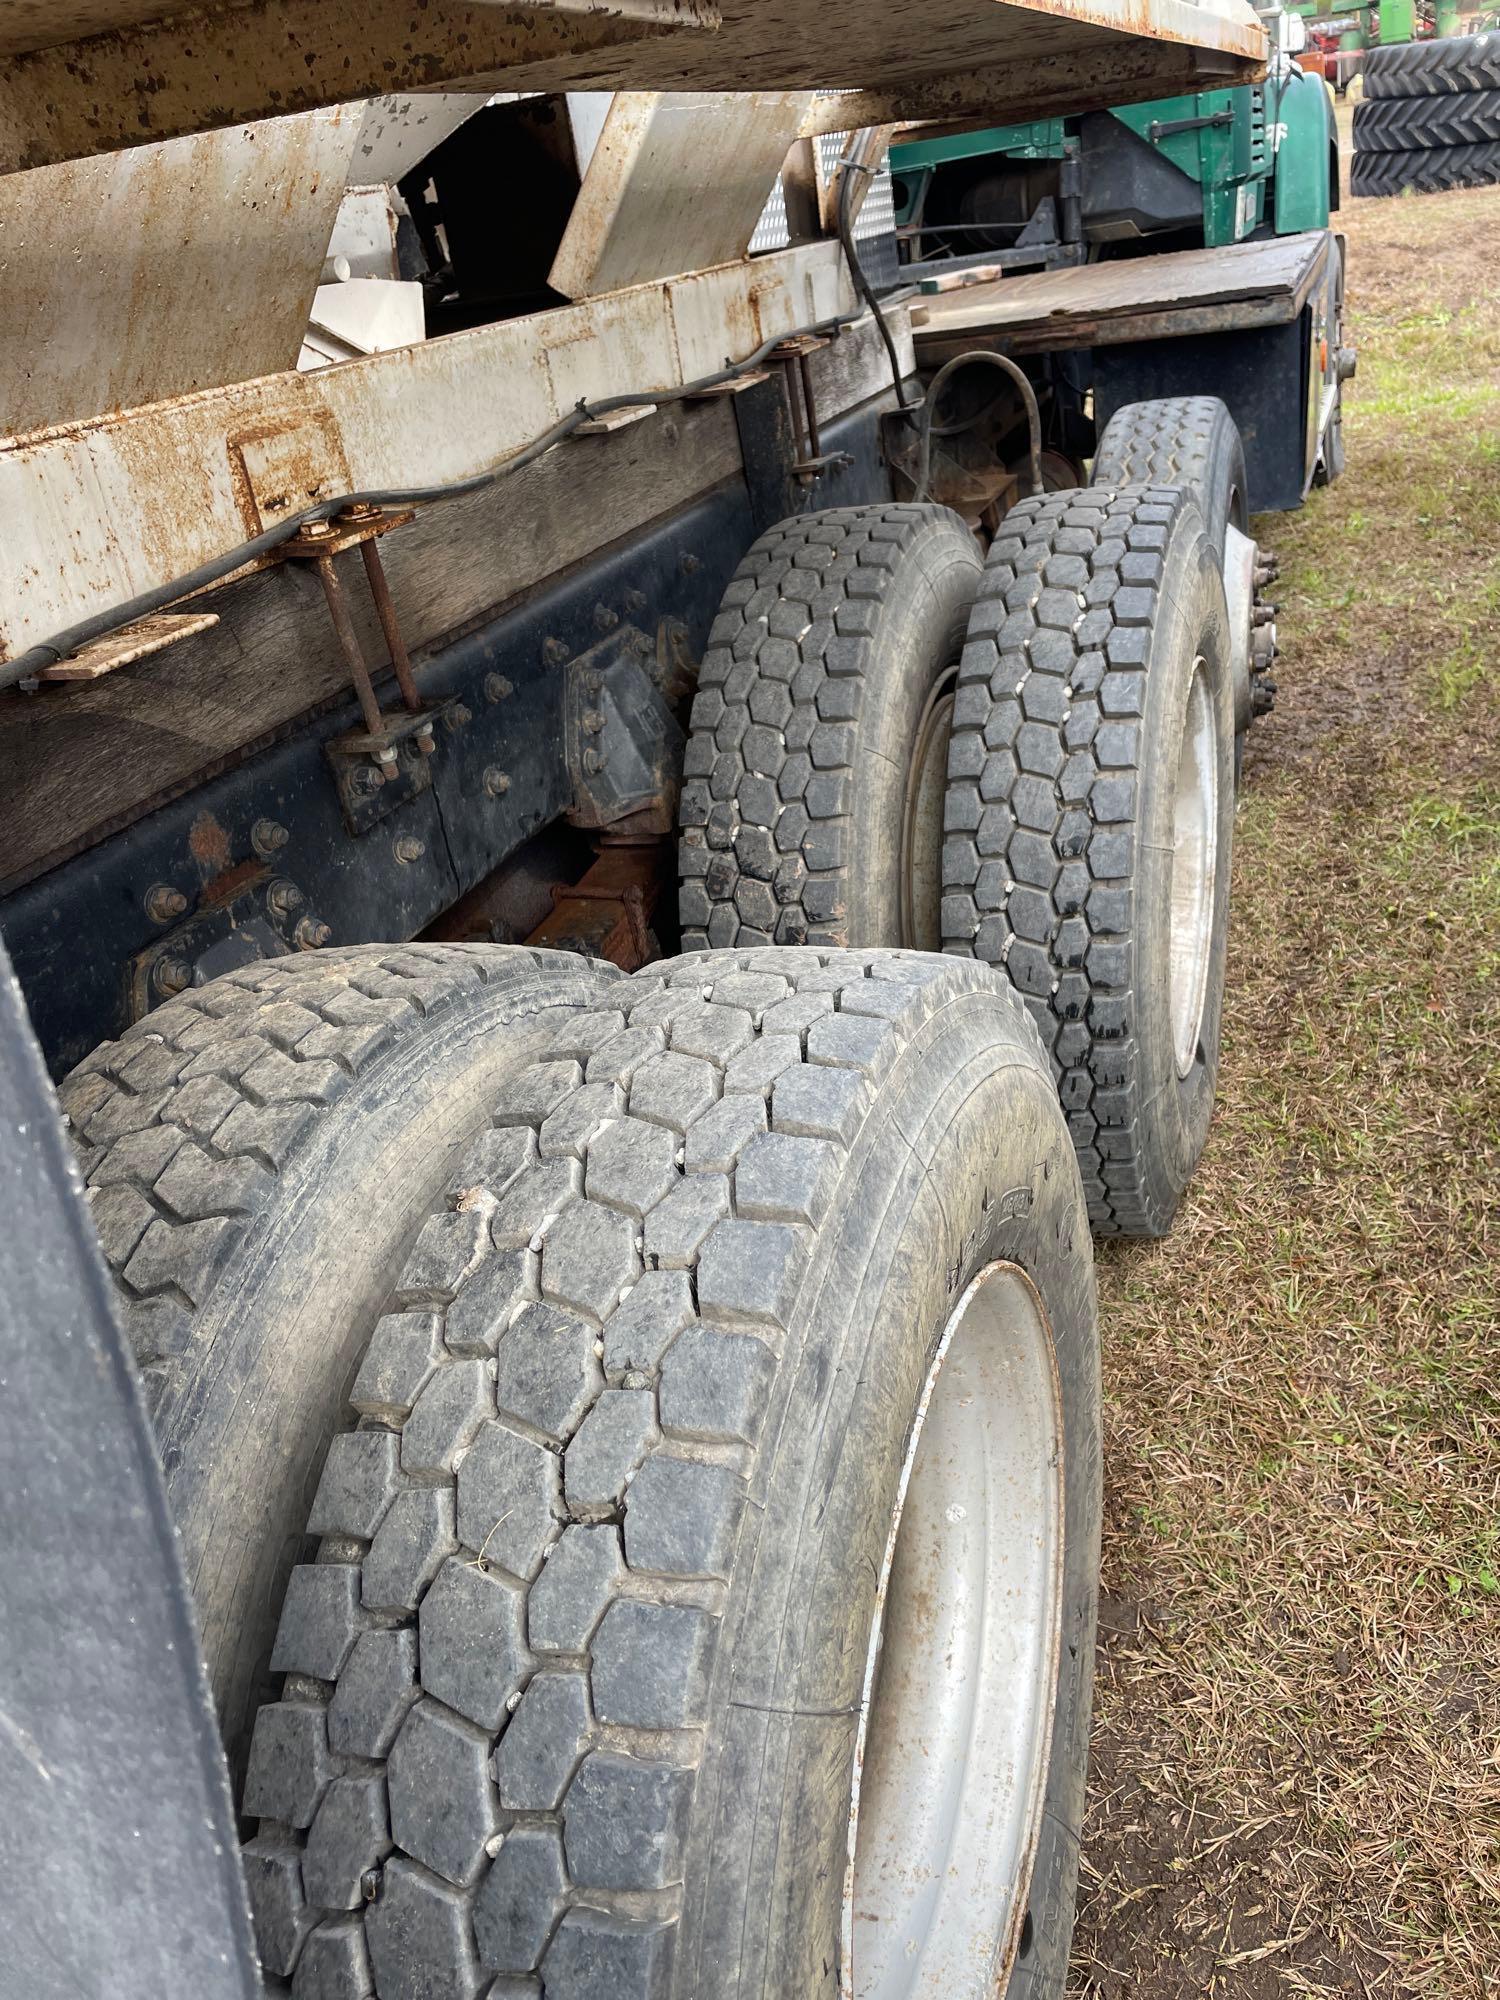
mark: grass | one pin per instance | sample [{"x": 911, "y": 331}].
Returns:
[{"x": 1296, "y": 1785}]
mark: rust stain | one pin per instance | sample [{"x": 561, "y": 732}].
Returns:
[{"x": 209, "y": 845}]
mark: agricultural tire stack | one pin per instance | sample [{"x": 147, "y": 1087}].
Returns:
[{"x": 1430, "y": 118}]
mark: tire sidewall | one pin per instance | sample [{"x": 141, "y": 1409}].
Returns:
[
  {"x": 912, "y": 1224},
  {"x": 921, "y": 634},
  {"x": 1177, "y": 1109}
]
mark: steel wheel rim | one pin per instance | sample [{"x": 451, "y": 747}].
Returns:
[
  {"x": 1195, "y": 843},
  {"x": 961, "y": 1678},
  {"x": 922, "y": 819}
]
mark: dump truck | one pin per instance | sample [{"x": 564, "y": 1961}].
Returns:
[{"x": 608, "y": 880}]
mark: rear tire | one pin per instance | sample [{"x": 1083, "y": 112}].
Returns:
[
  {"x": 1455, "y": 63},
  {"x": 1455, "y": 118},
  {"x": 260, "y": 1153},
  {"x": 811, "y": 807},
  {"x": 1192, "y": 441},
  {"x": 1427, "y": 170},
  {"x": 613, "y": 1686},
  {"x": 1187, "y": 441},
  {"x": 1091, "y": 796}
]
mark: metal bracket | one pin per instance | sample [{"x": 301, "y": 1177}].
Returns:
[
  {"x": 319, "y": 543},
  {"x": 624, "y": 745},
  {"x": 266, "y": 916},
  {"x": 810, "y": 460}
]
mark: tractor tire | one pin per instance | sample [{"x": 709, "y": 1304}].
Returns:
[
  {"x": 1187, "y": 441},
  {"x": 811, "y": 808},
  {"x": 1432, "y": 170},
  {"x": 259, "y": 1154},
  {"x": 581, "y": 1688},
  {"x": 1403, "y": 124},
  {"x": 1426, "y": 69},
  {"x": 1090, "y": 815}
]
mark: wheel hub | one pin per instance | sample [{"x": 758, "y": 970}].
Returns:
[
  {"x": 1195, "y": 842},
  {"x": 961, "y": 1679}
]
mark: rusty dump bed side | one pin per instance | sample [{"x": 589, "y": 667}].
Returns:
[
  {"x": 93, "y": 76},
  {"x": 1178, "y": 294}
]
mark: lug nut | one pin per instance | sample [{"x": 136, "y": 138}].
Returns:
[
  {"x": 409, "y": 848},
  {"x": 268, "y": 837},
  {"x": 310, "y": 933},
  {"x": 172, "y": 975},
  {"x": 497, "y": 687},
  {"x": 554, "y": 652},
  {"x": 594, "y": 762},
  {"x": 593, "y": 721},
  {"x": 496, "y": 782},
  {"x": 605, "y": 618},
  {"x": 283, "y": 897},
  {"x": 163, "y": 903}
]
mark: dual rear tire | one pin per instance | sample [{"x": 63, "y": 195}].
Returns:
[{"x": 1033, "y": 766}]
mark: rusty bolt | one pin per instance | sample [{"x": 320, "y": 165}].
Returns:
[
  {"x": 386, "y": 760},
  {"x": 425, "y": 743},
  {"x": 283, "y": 897},
  {"x": 359, "y": 510},
  {"x": 605, "y": 618},
  {"x": 310, "y": 933},
  {"x": 496, "y": 782},
  {"x": 171, "y": 975},
  {"x": 409, "y": 848},
  {"x": 315, "y": 530},
  {"x": 689, "y": 563},
  {"x": 164, "y": 902},
  {"x": 457, "y": 716},
  {"x": 593, "y": 720},
  {"x": 497, "y": 687},
  {"x": 594, "y": 761},
  {"x": 268, "y": 837},
  {"x": 554, "y": 652},
  {"x": 635, "y": 601}
]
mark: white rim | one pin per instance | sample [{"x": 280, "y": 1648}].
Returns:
[
  {"x": 1195, "y": 845},
  {"x": 922, "y": 824},
  {"x": 960, "y": 1682}
]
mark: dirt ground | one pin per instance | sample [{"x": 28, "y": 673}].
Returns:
[{"x": 1295, "y": 1783}]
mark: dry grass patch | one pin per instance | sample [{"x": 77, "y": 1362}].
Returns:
[{"x": 1296, "y": 1787}]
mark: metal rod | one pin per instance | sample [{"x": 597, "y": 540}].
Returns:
[
  {"x": 390, "y": 625},
  {"x": 809, "y": 406},
  {"x": 348, "y": 638},
  {"x": 794, "y": 407}
]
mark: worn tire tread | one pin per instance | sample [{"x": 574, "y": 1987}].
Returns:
[
  {"x": 773, "y": 756},
  {"x": 741, "y": 1076}
]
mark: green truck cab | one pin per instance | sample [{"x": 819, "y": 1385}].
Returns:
[{"x": 1212, "y": 168}]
